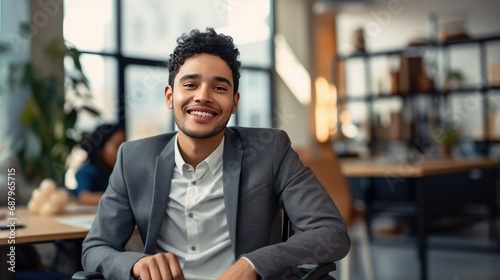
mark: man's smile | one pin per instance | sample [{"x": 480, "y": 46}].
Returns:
[{"x": 202, "y": 112}]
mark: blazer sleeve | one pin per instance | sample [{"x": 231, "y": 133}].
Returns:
[
  {"x": 324, "y": 237},
  {"x": 103, "y": 248}
]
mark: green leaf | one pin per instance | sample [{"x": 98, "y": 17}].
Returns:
[
  {"x": 91, "y": 110},
  {"x": 30, "y": 113},
  {"x": 25, "y": 29},
  {"x": 4, "y": 48},
  {"x": 55, "y": 49},
  {"x": 70, "y": 119}
]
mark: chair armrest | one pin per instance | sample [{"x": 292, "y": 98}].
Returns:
[
  {"x": 312, "y": 273},
  {"x": 86, "y": 275},
  {"x": 319, "y": 271}
]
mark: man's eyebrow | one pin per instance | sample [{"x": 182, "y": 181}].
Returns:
[
  {"x": 198, "y": 76},
  {"x": 189, "y": 76},
  {"x": 222, "y": 79}
]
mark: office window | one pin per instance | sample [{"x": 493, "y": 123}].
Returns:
[
  {"x": 138, "y": 36},
  {"x": 151, "y": 27},
  {"x": 90, "y": 25},
  {"x": 254, "y": 107},
  {"x": 101, "y": 73},
  {"x": 145, "y": 103}
]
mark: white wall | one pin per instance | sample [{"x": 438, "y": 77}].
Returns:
[
  {"x": 292, "y": 21},
  {"x": 392, "y": 23}
]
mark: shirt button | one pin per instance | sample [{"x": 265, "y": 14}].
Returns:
[
  {"x": 190, "y": 215},
  {"x": 193, "y": 183},
  {"x": 193, "y": 248}
]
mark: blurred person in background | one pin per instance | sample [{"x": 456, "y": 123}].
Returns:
[{"x": 101, "y": 147}]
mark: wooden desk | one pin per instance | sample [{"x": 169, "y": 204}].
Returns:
[
  {"x": 394, "y": 168},
  {"x": 396, "y": 171},
  {"x": 39, "y": 229},
  {"x": 47, "y": 229}
]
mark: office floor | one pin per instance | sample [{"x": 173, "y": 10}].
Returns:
[{"x": 456, "y": 255}]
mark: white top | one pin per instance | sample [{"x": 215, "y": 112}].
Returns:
[{"x": 195, "y": 225}]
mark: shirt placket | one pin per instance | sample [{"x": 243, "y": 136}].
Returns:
[{"x": 192, "y": 199}]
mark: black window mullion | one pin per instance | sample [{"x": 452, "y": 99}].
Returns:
[
  {"x": 121, "y": 64},
  {"x": 272, "y": 97}
]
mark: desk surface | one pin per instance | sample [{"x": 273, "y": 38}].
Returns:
[
  {"x": 43, "y": 229},
  {"x": 401, "y": 168}
]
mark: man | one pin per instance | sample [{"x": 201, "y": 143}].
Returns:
[{"x": 207, "y": 200}]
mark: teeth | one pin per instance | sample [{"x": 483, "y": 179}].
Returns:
[{"x": 202, "y": 114}]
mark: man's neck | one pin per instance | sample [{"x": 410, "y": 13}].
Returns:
[{"x": 194, "y": 151}]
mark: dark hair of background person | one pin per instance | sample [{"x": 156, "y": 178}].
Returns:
[
  {"x": 94, "y": 143},
  {"x": 210, "y": 42}
]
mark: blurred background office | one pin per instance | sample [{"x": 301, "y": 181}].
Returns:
[{"x": 392, "y": 79}]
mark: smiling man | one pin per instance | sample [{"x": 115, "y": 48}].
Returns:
[
  {"x": 203, "y": 101},
  {"x": 207, "y": 199}
]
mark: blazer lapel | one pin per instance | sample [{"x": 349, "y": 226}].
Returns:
[
  {"x": 164, "y": 170},
  {"x": 232, "y": 160}
]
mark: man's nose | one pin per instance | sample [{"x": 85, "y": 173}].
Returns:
[{"x": 203, "y": 95}]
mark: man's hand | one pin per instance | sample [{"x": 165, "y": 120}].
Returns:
[
  {"x": 241, "y": 269},
  {"x": 158, "y": 267}
]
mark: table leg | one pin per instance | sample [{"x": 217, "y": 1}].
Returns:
[
  {"x": 495, "y": 213},
  {"x": 422, "y": 225}
]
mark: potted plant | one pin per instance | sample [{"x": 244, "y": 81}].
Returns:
[
  {"x": 48, "y": 119},
  {"x": 448, "y": 137},
  {"x": 454, "y": 79}
]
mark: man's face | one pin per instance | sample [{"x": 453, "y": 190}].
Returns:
[{"x": 202, "y": 98}]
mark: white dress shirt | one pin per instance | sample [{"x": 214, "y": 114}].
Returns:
[{"x": 195, "y": 225}]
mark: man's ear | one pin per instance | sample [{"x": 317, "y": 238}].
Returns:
[
  {"x": 236, "y": 99},
  {"x": 169, "y": 96}
]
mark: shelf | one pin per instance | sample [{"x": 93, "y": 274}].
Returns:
[
  {"x": 493, "y": 141},
  {"x": 416, "y": 49},
  {"x": 469, "y": 89},
  {"x": 371, "y": 97},
  {"x": 476, "y": 142},
  {"x": 398, "y": 51},
  {"x": 482, "y": 39},
  {"x": 462, "y": 90},
  {"x": 413, "y": 77}
]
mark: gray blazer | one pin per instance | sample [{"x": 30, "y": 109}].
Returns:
[{"x": 261, "y": 175}]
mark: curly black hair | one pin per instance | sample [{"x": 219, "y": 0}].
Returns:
[
  {"x": 95, "y": 141},
  {"x": 209, "y": 42}
]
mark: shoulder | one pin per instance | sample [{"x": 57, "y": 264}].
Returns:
[
  {"x": 264, "y": 143},
  {"x": 87, "y": 169},
  {"x": 149, "y": 144},
  {"x": 249, "y": 135},
  {"x": 143, "y": 151},
  {"x": 160, "y": 139}
]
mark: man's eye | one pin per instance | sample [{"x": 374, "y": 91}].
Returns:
[
  {"x": 220, "y": 88},
  {"x": 189, "y": 85}
]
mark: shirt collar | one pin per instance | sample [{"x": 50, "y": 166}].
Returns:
[{"x": 214, "y": 160}]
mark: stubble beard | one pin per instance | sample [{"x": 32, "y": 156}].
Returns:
[{"x": 200, "y": 134}]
